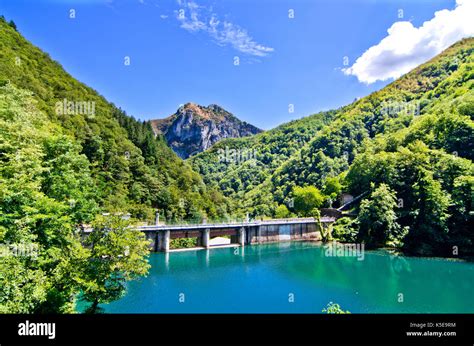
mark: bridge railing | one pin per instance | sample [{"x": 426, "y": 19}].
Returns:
[{"x": 228, "y": 224}]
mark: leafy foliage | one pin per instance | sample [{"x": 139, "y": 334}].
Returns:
[
  {"x": 334, "y": 308},
  {"x": 377, "y": 218},
  {"x": 306, "y": 199},
  {"x": 345, "y": 229},
  {"x": 282, "y": 212},
  {"x": 115, "y": 254},
  {"x": 36, "y": 212},
  {"x": 181, "y": 243}
]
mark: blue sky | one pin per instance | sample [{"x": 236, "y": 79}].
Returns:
[{"x": 184, "y": 51}]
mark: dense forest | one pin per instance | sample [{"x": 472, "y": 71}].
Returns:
[
  {"x": 67, "y": 156},
  {"x": 413, "y": 139}
]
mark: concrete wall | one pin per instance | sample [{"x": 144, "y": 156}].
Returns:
[
  {"x": 153, "y": 238},
  {"x": 253, "y": 234},
  {"x": 277, "y": 233}
]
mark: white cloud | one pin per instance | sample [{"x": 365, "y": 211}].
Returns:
[
  {"x": 406, "y": 46},
  {"x": 194, "y": 18}
]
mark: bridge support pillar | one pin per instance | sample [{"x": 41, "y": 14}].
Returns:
[
  {"x": 206, "y": 237},
  {"x": 241, "y": 236},
  {"x": 165, "y": 244}
]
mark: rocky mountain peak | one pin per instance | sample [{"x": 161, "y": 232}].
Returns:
[{"x": 195, "y": 128}]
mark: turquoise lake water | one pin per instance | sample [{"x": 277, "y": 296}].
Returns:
[{"x": 297, "y": 277}]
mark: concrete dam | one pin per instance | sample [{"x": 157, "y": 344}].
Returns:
[{"x": 241, "y": 234}]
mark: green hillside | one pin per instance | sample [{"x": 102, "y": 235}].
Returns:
[
  {"x": 242, "y": 168},
  {"x": 131, "y": 170},
  {"x": 415, "y": 136}
]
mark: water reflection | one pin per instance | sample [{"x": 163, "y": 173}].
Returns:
[
  {"x": 259, "y": 278},
  {"x": 430, "y": 285}
]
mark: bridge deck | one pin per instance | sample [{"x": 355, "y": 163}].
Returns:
[{"x": 211, "y": 226}]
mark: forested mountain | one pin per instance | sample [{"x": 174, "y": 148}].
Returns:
[
  {"x": 194, "y": 128},
  {"x": 130, "y": 170},
  {"x": 413, "y": 138},
  {"x": 242, "y": 167}
]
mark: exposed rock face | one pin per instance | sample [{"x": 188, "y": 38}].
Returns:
[{"x": 194, "y": 128}]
